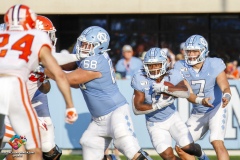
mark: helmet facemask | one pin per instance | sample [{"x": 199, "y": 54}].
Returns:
[
  {"x": 52, "y": 36},
  {"x": 87, "y": 50},
  {"x": 155, "y": 73},
  {"x": 196, "y": 43},
  {"x": 192, "y": 60}
]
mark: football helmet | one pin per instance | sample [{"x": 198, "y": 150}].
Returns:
[
  {"x": 97, "y": 40},
  {"x": 155, "y": 56},
  {"x": 20, "y": 17},
  {"x": 196, "y": 42},
  {"x": 44, "y": 24},
  {"x": 2, "y": 27}
]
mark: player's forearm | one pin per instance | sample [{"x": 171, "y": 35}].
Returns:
[
  {"x": 227, "y": 90},
  {"x": 64, "y": 88},
  {"x": 143, "y": 110},
  {"x": 64, "y": 58},
  {"x": 192, "y": 98},
  {"x": 179, "y": 94}
]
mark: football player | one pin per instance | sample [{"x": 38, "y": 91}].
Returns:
[
  {"x": 38, "y": 85},
  {"x": 162, "y": 120},
  {"x": 207, "y": 79},
  {"x": 95, "y": 76},
  {"x": 22, "y": 48}
]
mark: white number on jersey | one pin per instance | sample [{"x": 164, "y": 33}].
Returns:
[
  {"x": 92, "y": 64},
  {"x": 202, "y": 85}
]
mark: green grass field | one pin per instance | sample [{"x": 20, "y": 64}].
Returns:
[{"x": 79, "y": 157}]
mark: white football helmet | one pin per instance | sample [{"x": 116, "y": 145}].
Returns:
[
  {"x": 20, "y": 17},
  {"x": 196, "y": 42},
  {"x": 97, "y": 39},
  {"x": 155, "y": 56}
]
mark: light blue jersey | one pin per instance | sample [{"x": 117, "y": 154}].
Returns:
[
  {"x": 142, "y": 83},
  {"x": 42, "y": 109},
  {"x": 102, "y": 94},
  {"x": 204, "y": 83}
]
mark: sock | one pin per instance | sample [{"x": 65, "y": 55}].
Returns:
[{"x": 203, "y": 156}]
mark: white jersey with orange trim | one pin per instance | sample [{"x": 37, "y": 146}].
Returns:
[
  {"x": 19, "y": 51},
  {"x": 19, "y": 55}
]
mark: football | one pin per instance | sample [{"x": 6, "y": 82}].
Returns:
[{"x": 168, "y": 84}]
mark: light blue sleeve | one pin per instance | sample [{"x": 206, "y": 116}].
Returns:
[
  {"x": 136, "y": 80},
  {"x": 174, "y": 76},
  {"x": 178, "y": 65},
  {"x": 218, "y": 66}
]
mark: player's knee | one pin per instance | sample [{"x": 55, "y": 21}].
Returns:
[
  {"x": 47, "y": 146},
  {"x": 128, "y": 145},
  {"x": 54, "y": 154},
  {"x": 85, "y": 141}
]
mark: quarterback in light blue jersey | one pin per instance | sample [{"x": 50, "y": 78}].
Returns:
[
  {"x": 163, "y": 121},
  {"x": 95, "y": 76},
  {"x": 207, "y": 79}
]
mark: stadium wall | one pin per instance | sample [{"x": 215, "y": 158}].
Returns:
[
  {"x": 126, "y": 6},
  {"x": 67, "y": 136}
]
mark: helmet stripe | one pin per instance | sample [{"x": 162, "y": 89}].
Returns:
[{"x": 15, "y": 15}]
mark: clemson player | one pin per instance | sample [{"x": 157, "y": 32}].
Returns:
[{"x": 22, "y": 47}]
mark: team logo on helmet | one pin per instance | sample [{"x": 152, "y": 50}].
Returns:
[
  {"x": 164, "y": 54},
  {"x": 203, "y": 41},
  {"x": 39, "y": 24},
  {"x": 102, "y": 37},
  {"x": 82, "y": 38}
]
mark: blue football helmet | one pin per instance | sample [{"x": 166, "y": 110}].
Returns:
[
  {"x": 97, "y": 40},
  {"x": 155, "y": 56},
  {"x": 2, "y": 27},
  {"x": 196, "y": 42}
]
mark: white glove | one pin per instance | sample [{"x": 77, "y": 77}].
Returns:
[
  {"x": 42, "y": 123},
  {"x": 39, "y": 69},
  {"x": 162, "y": 103},
  {"x": 78, "y": 56},
  {"x": 159, "y": 87},
  {"x": 71, "y": 115}
]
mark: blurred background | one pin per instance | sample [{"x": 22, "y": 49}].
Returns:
[{"x": 143, "y": 24}]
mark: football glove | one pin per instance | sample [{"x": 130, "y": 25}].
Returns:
[{"x": 71, "y": 115}]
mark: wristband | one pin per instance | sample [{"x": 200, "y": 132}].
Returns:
[
  {"x": 198, "y": 100},
  {"x": 227, "y": 96}
]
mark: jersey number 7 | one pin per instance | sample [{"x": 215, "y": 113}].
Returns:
[{"x": 24, "y": 45}]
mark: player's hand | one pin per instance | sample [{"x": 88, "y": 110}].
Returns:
[
  {"x": 71, "y": 115},
  {"x": 42, "y": 123},
  {"x": 225, "y": 102},
  {"x": 206, "y": 102},
  {"x": 226, "y": 99},
  {"x": 39, "y": 69},
  {"x": 162, "y": 103},
  {"x": 159, "y": 87}
]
